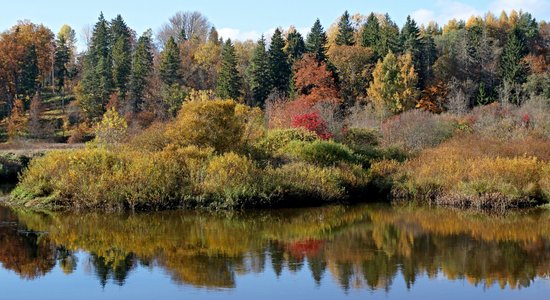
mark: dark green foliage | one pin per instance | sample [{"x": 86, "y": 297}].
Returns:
[
  {"x": 229, "y": 80},
  {"x": 411, "y": 42},
  {"x": 389, "y": 38},
  {"x": 278, "y": 63},
  {"x": 97, "y": 81},
  {"x": 170, "y": 64},
  {"x": 370, "y": 33},
  {"x": 61, "y": 59},
  {"x": 121, "y": 54},
  {"x": 512, "y": 67},
  {"x": 295, "y": 45},
  {"x": 316, "y": 42},
  {"x": 324, "y": 153},
  {"x": 345, "y": 36},
  {"x": 142, "y": 66},
  {"x": 360, "y": 138},
  {"x": 427, "y": 57},
  {"x": 28, "y": 73},
  {"x": 260, "y": 76}
]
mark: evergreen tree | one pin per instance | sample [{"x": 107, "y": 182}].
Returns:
[
  {"x": 142, "y": 66},
  {"x": 96, "y": 83},
  {"x": 28, "y": 72},
  {"x": 278, "y": 63},
  {"x": 427, "y": 57},
  {"x": 345, "y": 36},
  {"x": 61, "y": 60},
  {"x": 170, "y": 64},
  {"x": 388, "y": 39},
  {"x": 513, "y": 69},
  {"x": 316, "y": 42},
  {"x": 410, "y": 42},
  {"x": 229, "y": 81},
  {"x": 121, "y": 55},
  {"x": 260, "y": 77},
  {"x": 295, "y": 45},
  {"x": 213, "y": 36},
  {"x": 371, "y": 32}
]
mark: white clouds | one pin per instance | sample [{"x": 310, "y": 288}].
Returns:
[
  {"x": 236, "y": 34},
  {"x": 532, "y": 6},
  {"x": 445, "y": 10}
]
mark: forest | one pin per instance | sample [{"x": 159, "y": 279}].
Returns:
[{"x": 454, "y": 114}]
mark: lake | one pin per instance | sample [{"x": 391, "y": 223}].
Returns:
[{"x": 336, "y": 252}]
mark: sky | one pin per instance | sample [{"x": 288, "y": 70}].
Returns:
[{"x": 248, "y": 19}]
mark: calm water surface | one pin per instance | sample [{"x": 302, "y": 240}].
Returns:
[{"x": 360, "y": 252}]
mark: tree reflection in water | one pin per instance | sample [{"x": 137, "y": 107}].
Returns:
[{"x": 359, "y": 247}]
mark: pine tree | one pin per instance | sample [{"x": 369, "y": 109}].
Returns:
[
  {"x": 345, "y": 36},
  {"x": 295, "y": 45},
  {"x": 170, "y": 64},
  {"x": 121, "y": 55},
  {"x": 388, "y": 38},
  {"x": 410, "y": 42},
  {"x": 28, "y": 72},
  {"x": 371, "y": 32},
  {"x": 61, "y": 60},
  {"x": 142, "y": 66},
  {"x": 316, "y": 42},
  {"x": 427, "y": 57},
  {"x": 260, "y": 77},
  {"x": 229, "y": 80},
  {"x": 512, "y": 67},
  {"x": 278, "y": 63}
]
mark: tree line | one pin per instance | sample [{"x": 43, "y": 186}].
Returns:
[{"x": 358, "y": 60}]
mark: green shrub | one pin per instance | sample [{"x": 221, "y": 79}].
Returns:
[
  {"x": 323, "y": 153},
  {"x": 360, "y": 138},
  {"x": 276, "y": 139}
]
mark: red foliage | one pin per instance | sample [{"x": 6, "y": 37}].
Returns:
[
  {"x": 314, "y": 81},
  {"x": 313, "y": 122}
]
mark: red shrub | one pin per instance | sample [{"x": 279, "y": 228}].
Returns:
[{"x": 312, "y": 122}]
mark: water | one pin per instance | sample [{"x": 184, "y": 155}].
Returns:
[{"x": 367, "y": 251}]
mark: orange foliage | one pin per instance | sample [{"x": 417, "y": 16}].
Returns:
[
  {"x": 313, "y": 81},
  {"x": 433, "y": 97}
]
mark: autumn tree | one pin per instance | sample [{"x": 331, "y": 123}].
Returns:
[
  {"x": 393, "y": 87},
  {"x": 229, "y": 80},
  {"x": 345, "y": 36},
  {"x": 17, "y": 121},
  {"x": 192, "y": 24},
  {"x": 316, "y": 42},
  {"x": 260, "y": 76},
  {"x": 278, "y": 63},
  {"x": 36, "y": 128},
  {"x": 354, "y": 65},
  {"x": 313, "y": 81}
]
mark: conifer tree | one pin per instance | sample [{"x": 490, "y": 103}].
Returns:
[
  {"x": 170, "y": 64},
  {"x": 229, "y": 80},
  {"x": 295, "y": 45},
  {"x": 345, "y": 36},
  {"x": 28, "y": 72},
  {"x": 278, "y": 63},
  {"x": 388, "y": 39},
  {"x": 512, "y": 67},
  {"x": 61, "y": 60},
  {"x": 260, "y": 77},
  {"x": 121, "y": 55},
  {"x": 142, "y": 66},
  {"x": 316, "y": 42},
  {"x": 371, "y": 32}
]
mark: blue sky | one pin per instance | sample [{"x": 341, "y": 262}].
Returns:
[{"x": 242, "y": 19}]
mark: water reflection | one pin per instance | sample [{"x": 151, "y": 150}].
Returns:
[{"x": 362, "y": 247}]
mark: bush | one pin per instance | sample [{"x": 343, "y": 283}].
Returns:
[
  {"x": 324, "y": 153},
  {"x": 417, "y": 129},
  {"x": 314, "y": 123},
  {"x": 276, "y": 139},
  {"x": 221, "y": 124},
  {"x": 112, "y": 129},
  {"x": 360, "y": 138}
]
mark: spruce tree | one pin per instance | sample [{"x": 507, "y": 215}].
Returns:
[
  {"x": 345, "y": 36},
  {"x": 213, "y": 36},
  {"x": 61, "y": 59},
  {"x": 295, "y": 45},
  {"x": 28, "y": 74},
  {"x": 229, "y": 81},
  {"x": 513, "y": 69},
  {"x": 260, "y": 77},
  {"x": 371, "y": 32},
  {"x": 410, "y": 42},
  {"x": 388, "y": 38},
  {"x": 121, "y": 55},
  {"x": 170, "y": 64},
  {"x": 278, "y": 63},
  {"x": 142, "y": 66},
  {"x": 316, "y": 42},
  {"x": 96, "y": 83}
]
